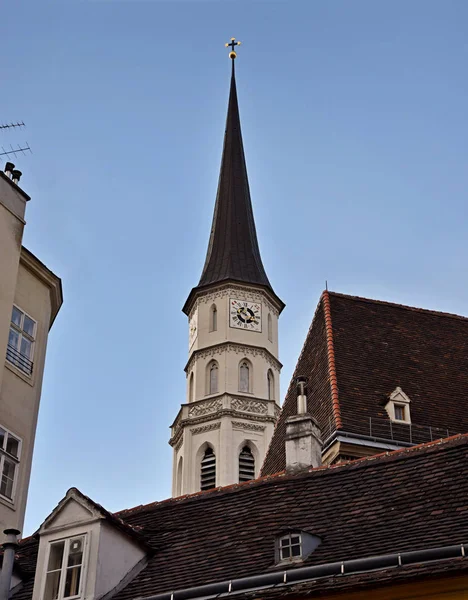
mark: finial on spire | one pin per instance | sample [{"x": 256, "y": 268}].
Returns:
[{"x": 232, "y": 44}]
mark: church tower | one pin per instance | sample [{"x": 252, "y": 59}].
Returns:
[{"x": 223, "y": 430}]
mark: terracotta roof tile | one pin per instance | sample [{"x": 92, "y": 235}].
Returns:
[
  {"x": 399, "y": 501},
  {"x": 363, "y": 349}
]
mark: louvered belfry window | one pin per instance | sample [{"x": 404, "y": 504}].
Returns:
[
  {"x": 208, "y": 470},
  {"x": 246, "y": 465}
]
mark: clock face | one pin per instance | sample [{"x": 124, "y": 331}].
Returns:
[
  {"x": 193, "y": 328},
  {"x": 245, "y": 315}
]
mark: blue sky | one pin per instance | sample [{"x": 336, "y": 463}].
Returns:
[{"x": 355, "y": 129}]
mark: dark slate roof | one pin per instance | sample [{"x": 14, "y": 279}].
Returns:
[
  {"x": 411, "y": 499},
  {"x": 357, "y": 351},
  {"x": 233, "y": 252}
]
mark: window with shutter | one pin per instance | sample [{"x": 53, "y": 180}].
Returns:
[
  {"x": 208, "y": 470},
  {"x": 246, "y": 465}
]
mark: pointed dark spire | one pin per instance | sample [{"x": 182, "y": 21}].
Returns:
[{"x": 233, "y": 252}]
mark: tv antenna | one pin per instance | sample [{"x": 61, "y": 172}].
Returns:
[
  {"x": 14, "y": 151},
  {"x": 12, "y": 125}
]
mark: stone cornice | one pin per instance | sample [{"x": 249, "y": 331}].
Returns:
[
  {"x": 47, "y": 277},
  {"x": 245, "y": 349},
  {"x": 233, "y": 290},
  {"x": 214, "y": 417},
  {"x": 212, "y": 409}
]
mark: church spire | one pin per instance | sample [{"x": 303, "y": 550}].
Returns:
[{"x": 233, "y": 252}]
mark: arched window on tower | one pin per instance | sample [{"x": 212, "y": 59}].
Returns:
[
  {"x": 191, "y": 388},
  {"x": 270, "y": 328},
  {"x": 179, "y": 476},
  {"x": 246, "y": 465},
  {"x": 213, "y": 318},
  {"x": 271, "y": 385},
  {"x": 212, "y": 376},
  {"x": 245, "y": 376},
  {"x": 208, "y": 470}
]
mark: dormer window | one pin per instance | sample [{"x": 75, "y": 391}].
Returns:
[
  {"x": 398, "y": 407},
  {"x": 295, "y": 546},
  {"x": 64, "y": 569}
]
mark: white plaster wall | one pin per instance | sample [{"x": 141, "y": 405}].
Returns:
[
  {"x": 20, "y": 394},
  {"x": 117, "y": 555},
  {"x": 11, "y": 233}
]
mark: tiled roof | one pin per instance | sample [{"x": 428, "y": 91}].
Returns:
[
  {"x": 356, "y": 353},
  {"x": 233, "y": 253},
  {"x": 411, "y": 499}
]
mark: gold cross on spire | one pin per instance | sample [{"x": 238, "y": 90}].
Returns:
[{"x": 232, "y": 44}]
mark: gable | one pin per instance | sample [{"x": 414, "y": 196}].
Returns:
[{"x": 71, "y": 512}]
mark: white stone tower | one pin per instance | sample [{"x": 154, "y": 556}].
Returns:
[{"x": 223, "y": 430}]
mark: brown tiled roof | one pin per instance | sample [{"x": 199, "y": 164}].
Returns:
[
  {"x": 411, "y": 499},
  {"x": 233, "y": 252},
  {"x": 356, "y": 353}
]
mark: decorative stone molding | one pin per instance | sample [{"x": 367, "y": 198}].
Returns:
[
  {"x": 178, "y": 445},
  {"x": 238, "y": 292},
  {"x": 250, "y": 406},
  {"x": 205, "y": 428},
  {"x": 206, "y": 407},
  {"x": 178, "y": 437},
  {"x": 248, "y": 426},
  {"x": 242, "y": 349}
]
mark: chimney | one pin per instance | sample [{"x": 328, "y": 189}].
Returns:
[
  {"x": 303, "y": 443},
  {"x": 9, "y": 168},
  {"x": 9, "y": 549},
  {"x": 16, "y": 176}
]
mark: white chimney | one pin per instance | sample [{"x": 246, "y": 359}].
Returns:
[{"x": 303, "y": 442}]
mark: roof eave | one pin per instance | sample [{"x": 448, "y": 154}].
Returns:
[{"x": 201, "y": 289}]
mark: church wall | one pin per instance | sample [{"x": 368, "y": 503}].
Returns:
[
  {"x": 220, "y": 298},
  {"x": 228, "y": 419}
]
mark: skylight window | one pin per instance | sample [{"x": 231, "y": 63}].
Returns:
[
  {"x": 290, "y": 546},
  {"x": 295, "y": 546}
]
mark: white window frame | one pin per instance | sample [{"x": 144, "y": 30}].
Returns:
[
  {"x": 19, "y": 329},
  {"x": 288, "y": 537},
  {"x": 14, "y": 459},
  {"x": 63, "y": 568}
]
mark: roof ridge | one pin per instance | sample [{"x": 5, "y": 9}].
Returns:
[
  {"x": 325, "y": 298},
  {"x": 401, "y": 306},
  {"x": 382, "y": 458}
]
